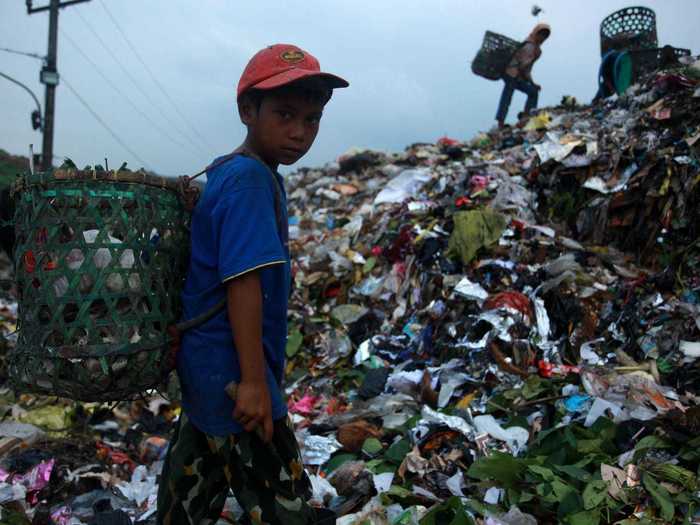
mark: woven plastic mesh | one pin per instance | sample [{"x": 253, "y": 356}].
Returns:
[
  {"x": 645, "y": 61},
  {"x": 99, "y": 266},
  {"x": 493, "y": 57},
  {"x": 627, "y": 29}
]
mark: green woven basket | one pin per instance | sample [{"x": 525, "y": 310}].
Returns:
[{"x": 100, "y": 262}]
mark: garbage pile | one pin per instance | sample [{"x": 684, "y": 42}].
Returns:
[
  {"x": 506, "y": 328},
  {"x": 500, "y": 331}
]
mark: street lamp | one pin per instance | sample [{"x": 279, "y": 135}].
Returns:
[{"x": 37, "y": 122}]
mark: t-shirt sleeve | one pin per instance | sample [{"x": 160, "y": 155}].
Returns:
[{"x": 247, "y": 232}]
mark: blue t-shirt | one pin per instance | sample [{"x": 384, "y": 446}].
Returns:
[{"x": 234, "y": 230}]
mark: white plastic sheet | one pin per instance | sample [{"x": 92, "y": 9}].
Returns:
[
  {"x": 553, "y": 148},
  {"x": 691, "y": 350},
  {"x": 599, "y": 185},
  {"x": 382, "y": 482},
  {"x": 600, "y": 408},
  {"x": 515, "y": 437},
  {"x": 470, "y": 290},
  {"x": 141, "y": 486},
  {"x": 454, "y": 422},
  {"x": 316, "y": 450},
  {"x": 405, "y": 185},
  {"x": 455, "y": 484},
  {"x": 322, "y": 490}
]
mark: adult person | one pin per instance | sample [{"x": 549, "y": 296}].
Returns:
[{"x": 518, "y": 74}]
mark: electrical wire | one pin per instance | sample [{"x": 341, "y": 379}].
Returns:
[
  {"x": 137, "y": 84},
  {"x": 103, "y": 123},
  {"x": 23, "y": 53},
  {"x": 102, "y": 74},
  {"x": 153, "y": 77}
]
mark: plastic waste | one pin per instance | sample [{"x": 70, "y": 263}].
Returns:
[
  {"x": 539, "y": 121},
  {"x": 141, "y": 487},
  {"x": 50, "y": 417},
  {"x": 430, "y": 416},
  {"x": 12, "y": 492},
  {"x": 555, "y": 147},
  {"x": 349, "y": 313},
  {"x": 691, "y": 350},
  {"x": 317, "y": 450},
  {"x": 323, "y": 491},
  {"x": 513, "y": 517},
  {"x": 515, "y": 437},
  {"x": 405, "y": 185},
  {"x": 32, "y": 481},
  {"x": 18, "y": 434},
  {"x": 493, "y": 495},
  {"x": 455, "y": 484},
  {"x": 470, "y": 290}
]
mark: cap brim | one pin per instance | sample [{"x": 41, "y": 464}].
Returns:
[{"x": 287, "y": 77}]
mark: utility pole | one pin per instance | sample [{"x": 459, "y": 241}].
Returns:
[{"x": 49, "y": 75}]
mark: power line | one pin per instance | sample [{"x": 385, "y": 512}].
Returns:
[
  {"x": 153, "y": 77},
  {"x": 133, "y": 80},
  {"x": 119, "y": 91},
  {"x": 104, "y": 124},
  {"x": 23, "y": 53}
]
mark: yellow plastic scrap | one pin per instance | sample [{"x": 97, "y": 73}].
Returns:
[
  {"x": 464, "y": 403},
  {"x": 663, "y": 190},
  {"x": 425, "y": 232},
  {"x": 540, "y": 121},
  {"x": 51, "y": 417}
]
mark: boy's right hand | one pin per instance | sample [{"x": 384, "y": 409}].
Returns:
[{"x": 254, "y": 408}]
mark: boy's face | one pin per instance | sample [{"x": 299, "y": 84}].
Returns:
[{"x": 284, "y": 127}]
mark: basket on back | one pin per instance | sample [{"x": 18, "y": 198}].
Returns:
[
  {"x": 627, "y": 29},
  {"x": 100, "y": 262},
  {"x": 492, "y": 59},
  {"x": 646, "y": 61}
]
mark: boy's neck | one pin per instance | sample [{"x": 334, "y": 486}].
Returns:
[{"x": 249, "y": 145}]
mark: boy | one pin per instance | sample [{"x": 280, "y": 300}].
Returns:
[
  {"x": 518, "y": 74},
  {"x": 240, "y": 252}
]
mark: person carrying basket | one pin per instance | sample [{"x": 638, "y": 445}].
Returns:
[
  {"x": 234, "y": 432},
  {"x": 518, "y": 73}
]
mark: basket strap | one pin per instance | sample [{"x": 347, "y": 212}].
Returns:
[
  {"x": 202, "y": 318},
  {"x": 219, "y": 306}
]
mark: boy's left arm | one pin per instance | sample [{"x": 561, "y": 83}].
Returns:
[
  {"x": 253, "y": 404},
  {"x": 246, "y": 228}
]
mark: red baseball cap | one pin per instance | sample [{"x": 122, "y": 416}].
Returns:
[{"x": 282, "y": 64}]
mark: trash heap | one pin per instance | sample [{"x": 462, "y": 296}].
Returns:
[{"x": 499, "y": 331}]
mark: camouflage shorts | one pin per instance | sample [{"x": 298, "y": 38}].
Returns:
[{"x": 268, "y": 480}]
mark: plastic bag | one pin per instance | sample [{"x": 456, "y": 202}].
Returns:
[{"x": 405, "y": 185}]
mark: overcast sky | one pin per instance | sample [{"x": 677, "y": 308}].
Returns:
[{"x": 407, "y": 62}]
